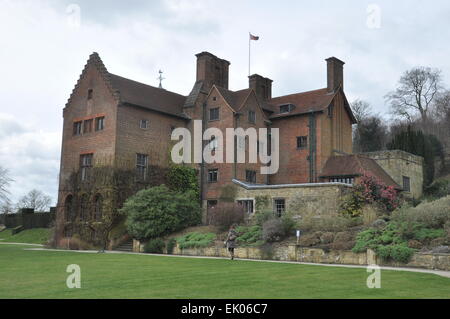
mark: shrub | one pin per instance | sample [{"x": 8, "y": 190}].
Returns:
[
  {"x": 226, "y": 214},
  {"x": 182, "y": 179},
  {"x": 171, "y": 245},
  {"x": 158, "y": 211},
  {"x": 154, "y": 246},
  {"x": 262, "y": 203},
  {"x": 387, "y": 243},
  {"x": 289, "y": 225},
  {"x": 273, "y": 230},
  {"x": 401, "y": 253},
  {"x": 438, "y": 189},
  {"x": 369, "y": 190},
  {"x": 249, "y": 235},
  {"x": 328, "y": 223},
  {"x": 196, "y": 240},
  {"x": 263, "y": 216},
  {"x": 434, "y": 214}
]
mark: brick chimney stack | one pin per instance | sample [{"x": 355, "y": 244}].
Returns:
[
  {"x": 212, "y": 70},
  {"x": 261, "y": 85},
  {"x": 335, "y": 74}
]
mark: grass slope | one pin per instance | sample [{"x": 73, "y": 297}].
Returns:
[
  {"x": 42, "y": 274},
  {"x": 30, "y": 236}
]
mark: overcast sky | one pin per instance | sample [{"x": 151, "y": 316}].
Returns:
[{"x": 45, "y": 45}]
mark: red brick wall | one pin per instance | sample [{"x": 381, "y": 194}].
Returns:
[
  {"x": 294, "y": 166},
  {"x": 153, "y": 141},
  {"x": 226, "y": 120}
]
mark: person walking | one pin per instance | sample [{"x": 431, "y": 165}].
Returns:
[{"x": 231, "y": 240}]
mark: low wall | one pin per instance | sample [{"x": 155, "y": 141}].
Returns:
[
  {"x": 28, "y": 219},
  {"x": 314, "y": 199},
  {"x": 314, "y": 255}
]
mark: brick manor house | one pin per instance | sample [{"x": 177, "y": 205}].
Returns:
[{"x": 112, "y": 121}]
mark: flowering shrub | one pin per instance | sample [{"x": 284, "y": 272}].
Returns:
[{"x": 370, "y": 190}]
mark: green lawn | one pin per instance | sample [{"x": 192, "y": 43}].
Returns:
[
  {"x": 42, "y": 274},
  {"x": 32, "y": 236}
]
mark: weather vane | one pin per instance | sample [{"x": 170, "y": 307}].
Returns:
[{"x": 160, "y": 78}]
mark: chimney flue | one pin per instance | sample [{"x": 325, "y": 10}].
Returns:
[
  {"x": 335, "y": 74},
  {"x": 212, "y": 70},
  {"x": 261, "y": 85}
]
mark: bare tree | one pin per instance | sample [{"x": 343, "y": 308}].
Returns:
[
  {"x": 415, "y": 94},
  {"x": 442, "y": 107},
  {"x": 6, "y": 207},
  {"x": 361, "y": 109},
  {"x": 35, "y": 199},
  {"x": 369, "y": 134},
  {"x": 5, "y": 181}
]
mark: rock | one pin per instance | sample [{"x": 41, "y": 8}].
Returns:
[
  {"x": 327, "y": 238},
  {"x": 415, "y": 244},
  {"x": 441, "y": 250},
  {"x": 310, "y": 240},
  {"x": 343, "y": 241},
  {"x": 437, "y": 242}
]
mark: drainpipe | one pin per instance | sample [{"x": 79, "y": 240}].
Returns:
[
  {"x": 312, "y": 147},
  {"x": 202, "y": 164}
]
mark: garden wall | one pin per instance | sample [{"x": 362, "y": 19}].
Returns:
[
  {"x": 314, "y": 255},
  {"x": 28, "y": 219},
  {"x": 317, "y": 199}
]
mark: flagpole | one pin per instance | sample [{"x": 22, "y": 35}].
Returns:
[{"x": 249, "y": 41}]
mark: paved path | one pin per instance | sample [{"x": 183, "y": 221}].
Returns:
[
  {"x": 8, "y": 243},
  {"x": 441, "y": 273}
]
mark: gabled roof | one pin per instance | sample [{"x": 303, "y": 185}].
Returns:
[
  {"x": 193, "y": 96},
  {"x": 149, "y": 97},
  {"x": 134, "y": 93},
  {"x": 236, "y": 99},
  {"x": 356, "y": 165},
  {"x": 94, "y": 60},
  {"x": 305, "y": 102}
]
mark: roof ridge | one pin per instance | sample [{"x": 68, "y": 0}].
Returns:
[
  {"x": 164, "y": 90},
  {"x": 95, "y": 60},
  {"x": 297, "y": 93}
]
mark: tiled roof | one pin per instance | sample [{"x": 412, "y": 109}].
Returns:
[
  {"x": 236, "y": 98},
  {"x": 149, "y": 97},
  {"x": 305, "y": 102},
  {"x": 356, "y": 165},
  {"x": 193, "y": 96}
]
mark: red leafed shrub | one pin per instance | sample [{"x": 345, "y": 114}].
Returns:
[
  {"x": 370, "y": 190},
  {"x": 225, "y": 214}
]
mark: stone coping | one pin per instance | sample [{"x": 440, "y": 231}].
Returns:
[{"x": 265, "y": 186}]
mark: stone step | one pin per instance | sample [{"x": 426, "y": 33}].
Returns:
[{"x": 126, "y": 246}]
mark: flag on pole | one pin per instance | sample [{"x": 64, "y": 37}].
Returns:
[{"x": 253, "y": 37}]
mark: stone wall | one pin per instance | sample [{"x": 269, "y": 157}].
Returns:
[
  {"x": 316, "y": 199},
  {"x": 398, "y": 164},
  {"x": 314, "y": 255}
]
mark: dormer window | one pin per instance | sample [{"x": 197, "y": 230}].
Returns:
[
  {"x": 90, "y": 94},
  {"x": 286, "y": 108}
]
